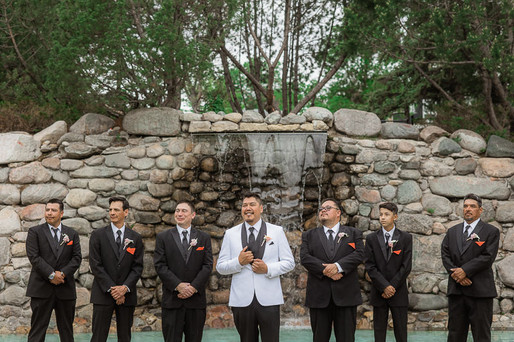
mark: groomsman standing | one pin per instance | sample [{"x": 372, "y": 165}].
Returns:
[
  {"x": 116, "y": 261},
  {"x": 183, "y": 260},
  {"x": 331, "y": 254},
  {"x": 255, "y": 253},
  {"x": 388, "y": 263},
  {"x": 468, "y": 252},
  {"x": 53, "y": 250}
]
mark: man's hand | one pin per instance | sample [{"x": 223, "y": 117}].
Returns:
[
  {"x": 120, "y": 300},
  {"x": 58, "y": 278},
  {"x": 245, "y": 257},
  {"x": 458, "y": 274},
  {"x": 465, "y": 282},
  {"x": 185, "y": 290},
  {"x": 388, "y": 292},
  {"x": 118, "y": 291},
  {"x": 259, "y": 266},
  {"x": 330, "y": 270},
  {"x": 188, "y": 292},
  {"x": 337, "y": 276}
]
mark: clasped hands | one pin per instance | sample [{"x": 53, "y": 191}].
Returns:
[
  {"x": 185, "y": 290},
  {"x": 118, "y": 293},
  {"x": 332, "y": 271},
  {"x": 58, "y": 278},
  {"x": 460, "y": 277},
  {"x": 389, "y": 291},
  {"x": 246, "y": 257}
]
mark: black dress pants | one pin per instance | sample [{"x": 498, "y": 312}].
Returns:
[
  {"x": 251, "y": 319},
  {"x": 102, "y": 315},
  {"x": 463, "y": 311},
  {"x": 41, "y": 313},
  {"x": 182, "y": 321},
  {"x": 343, "y": 318},
  {"x": 380, "y": 316}
]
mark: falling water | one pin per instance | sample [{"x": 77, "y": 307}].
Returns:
[{"x": 275, "y": 165}]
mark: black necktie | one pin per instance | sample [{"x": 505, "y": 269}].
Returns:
[
  {"x": 118, "y": 240},
  {"x": 184, "y": 241},
  {"x": 388, "y": 249},
  {"x": 465, "y": 235},
  {"x": 56, "y": 238},
  {"x": 331, "y": 243},
  {"x": 251, "y": 239}
]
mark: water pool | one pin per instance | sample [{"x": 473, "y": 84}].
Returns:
[{"x": 286, "y": 335}]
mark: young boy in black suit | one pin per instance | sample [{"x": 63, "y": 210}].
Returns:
[{"x": 388, "y": 263}]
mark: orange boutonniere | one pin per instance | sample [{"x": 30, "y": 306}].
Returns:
[
  {"x": 352, "y": 244},
  {"x": 131, "y": 250}
]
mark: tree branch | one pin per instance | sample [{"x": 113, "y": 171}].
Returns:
[{"x": 320, "y": 85}]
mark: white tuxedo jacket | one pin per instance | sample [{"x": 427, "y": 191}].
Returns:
[{"x": 246, "y": 283}]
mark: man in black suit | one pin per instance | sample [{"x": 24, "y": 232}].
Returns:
[
  {"x": 116, "y": 261},
  {"x": 468, "y": 252},
  {"x": 331, "y": 254},
  {"x": 183, "y": 260},
  {"x": 388, "y": 263},
  {"x": 54, "y": 252}
]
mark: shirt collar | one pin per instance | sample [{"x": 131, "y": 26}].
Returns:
[
  {"x": 115, "y": 229},
  {"x": 257, "y": 227},
  {"x": 472, "y": 224},
  {"x": 334, "y": 228},
  {"x": 391, "y": 232},
  {"x": 58, "y": 227},
  {"x": 180, "y": 230}
]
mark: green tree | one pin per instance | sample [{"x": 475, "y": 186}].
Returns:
[{"x": 456, "y": 57}]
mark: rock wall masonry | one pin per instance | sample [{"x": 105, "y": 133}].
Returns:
[{"x": 157, "y": 161}]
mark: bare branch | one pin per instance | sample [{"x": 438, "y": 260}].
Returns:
[{"x": 320, "y": 85}]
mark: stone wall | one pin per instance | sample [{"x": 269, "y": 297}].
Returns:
[{"x": 159, "y": 157}]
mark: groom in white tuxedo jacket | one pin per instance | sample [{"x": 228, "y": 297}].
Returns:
[{"x": 255, "y": 253}]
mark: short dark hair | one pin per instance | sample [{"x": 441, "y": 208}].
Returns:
[
  {"x": 338, "y": 207},
  {"x": 57, "y": 201},
  {"x": 475, "y": 198},
  {"x": 254, "y": 195},
  {"x": 120, "y": 199},
  {"x": 389, "y": 206},
  {"x": 189, "y": 204}
]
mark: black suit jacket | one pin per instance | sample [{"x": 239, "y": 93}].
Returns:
[
  {"x": 349, "y": 254},
  {"x": 474, "y": 257},
  {"x": 173, "y": 269},
  {"x": 385, "y": 271},
  {"x": 110, "y": 269},
  {"x": 46, "y": 258}
]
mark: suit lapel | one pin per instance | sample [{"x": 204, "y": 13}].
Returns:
[
  {"x": 323, "y": 239},
  {"x": 50, "y": 238},
  {"x": 477, "y": 230},
  {"x": 381, "y": 243},
  {"x": 60, "y": 248},
  {"x": 244, "y": 238},
  {"x": 194, "y": 235},
  {"x": 339, "y": 241},
  {"x": 110, "y": 237},
  {"x": 396, "y": 236},
  {"x": 176, "y": 237},
  {"x": 261, "y": 247}
]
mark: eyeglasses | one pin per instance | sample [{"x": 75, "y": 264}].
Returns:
[{"x": 326, "y": 209}]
